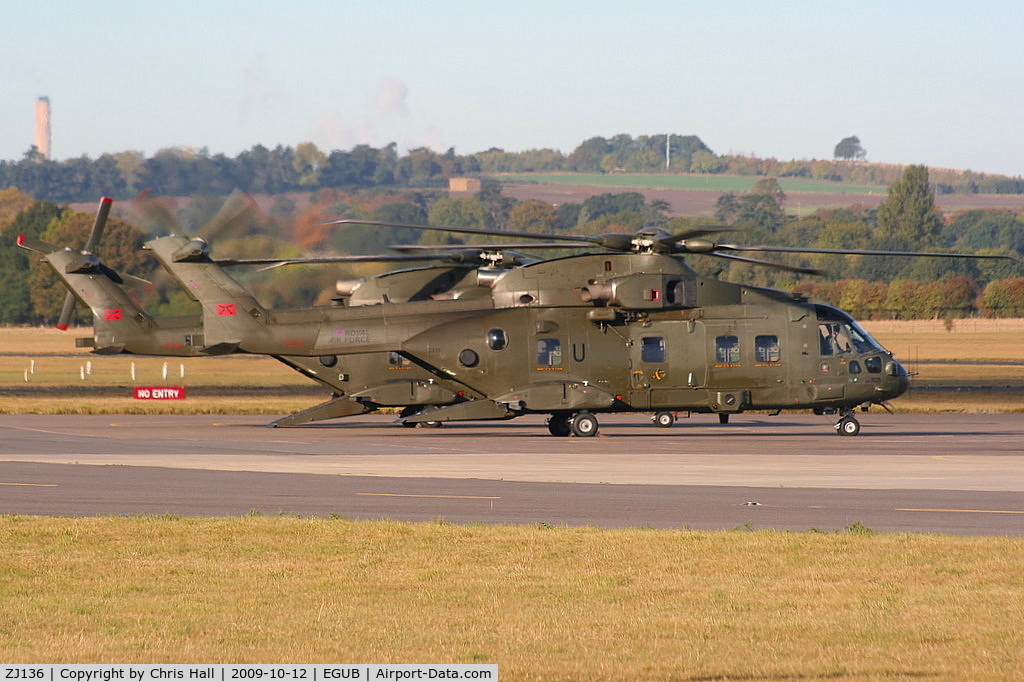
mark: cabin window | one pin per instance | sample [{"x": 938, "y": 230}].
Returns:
[
  {"x": 854, "y": 367},
  {"x": 549, "y": 353},
  {"x": 497, "y": 339},
  {"x": 727, "y": 350},
  {"x": 328, "y": 360},
  {"x": 397, "y": 360},
  {"x": 766, "y": 348},
  {"x": 652, "y": 349},
  {"x": 873, "y": 364}
]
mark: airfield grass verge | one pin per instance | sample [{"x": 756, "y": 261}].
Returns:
[{"x": 542, "y": 602}]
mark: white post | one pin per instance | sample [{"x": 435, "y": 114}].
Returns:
[{"x": 165, "y": 370}]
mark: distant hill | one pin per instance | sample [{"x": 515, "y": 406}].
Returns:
[{"x": 695, "y": 195}]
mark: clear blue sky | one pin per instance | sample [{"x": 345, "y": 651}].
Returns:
[{"x": 938, "y": 83}]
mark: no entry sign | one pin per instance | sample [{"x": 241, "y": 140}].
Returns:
[{"x": 159, "y": 392}]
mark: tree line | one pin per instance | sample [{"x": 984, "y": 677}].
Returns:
[
  {"x": 261, "y": 170},
  {"x": 869, "y": 287}
]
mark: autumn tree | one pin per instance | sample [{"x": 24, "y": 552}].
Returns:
[
  {"x": 308, "y": 163},
  {"x": 533, "y": 216}
]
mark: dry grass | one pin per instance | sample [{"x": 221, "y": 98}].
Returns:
[
  {"x": 542, "y": 603},
  {"x": 975, "y": 339}
]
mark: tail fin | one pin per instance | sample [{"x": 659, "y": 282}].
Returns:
[
  {"x": 231, "y": 315},
  {"x": 120, "y": 325}
]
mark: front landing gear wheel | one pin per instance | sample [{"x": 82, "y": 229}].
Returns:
[
  {"x": 848, "y": 426},
  {"x": 558, "y": 425},
  {"x": 584, "y": 424},
  {"x": 664, "y": 419}
]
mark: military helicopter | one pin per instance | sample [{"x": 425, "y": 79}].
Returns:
[
  {"x": 627, "y": 330},
  {"x": 121, "y": 325}
]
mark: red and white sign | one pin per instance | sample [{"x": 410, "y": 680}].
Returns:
[{"x": 159, "y": 392}]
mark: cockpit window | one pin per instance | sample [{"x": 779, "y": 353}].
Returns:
[{"x": 838, "y": 334}]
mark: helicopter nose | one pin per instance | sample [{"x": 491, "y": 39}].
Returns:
[{"x": 898, "y": 379}]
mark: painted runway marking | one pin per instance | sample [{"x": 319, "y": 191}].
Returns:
[
  {"x": 439, "y": 497},
  {"x": 966, "y": 511},
  {"x": 32, "y": 485}
]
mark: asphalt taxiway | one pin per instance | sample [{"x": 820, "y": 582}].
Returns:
[{"x": 960, "y": 474}]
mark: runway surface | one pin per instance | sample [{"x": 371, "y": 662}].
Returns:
[{"x": 961, "y": 474}]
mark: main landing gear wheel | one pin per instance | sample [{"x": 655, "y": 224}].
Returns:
[
  {"x": 558, "y": 425},
  {"x": 584, "y": 424},
  {"x": 411, "y": 410},
  {"x": 848, "y": 426},
  {"x": 664, "y": 419}
]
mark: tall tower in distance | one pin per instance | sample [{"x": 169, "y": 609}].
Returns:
[{"x": 43, "y": 126}]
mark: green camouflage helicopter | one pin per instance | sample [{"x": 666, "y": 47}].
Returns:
[
  {"x": 121, "y": 325},
  {"x": 629, "y": 329}
]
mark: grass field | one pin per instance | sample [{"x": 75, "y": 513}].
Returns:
[
  {"x": 717, "y": 183},
  {"x": 542, "y": 603}
]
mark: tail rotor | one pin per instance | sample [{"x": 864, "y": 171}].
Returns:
[{"x": 68, "y": 311}]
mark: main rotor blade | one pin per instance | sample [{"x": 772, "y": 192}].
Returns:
[
  {"x": 278, "y": 262},
  {"x": 677, "y": 242},
  {"x": 769, "y": 264},
  {"x": 866, "y": 252},
  {"x": 483, "y": 247}
]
